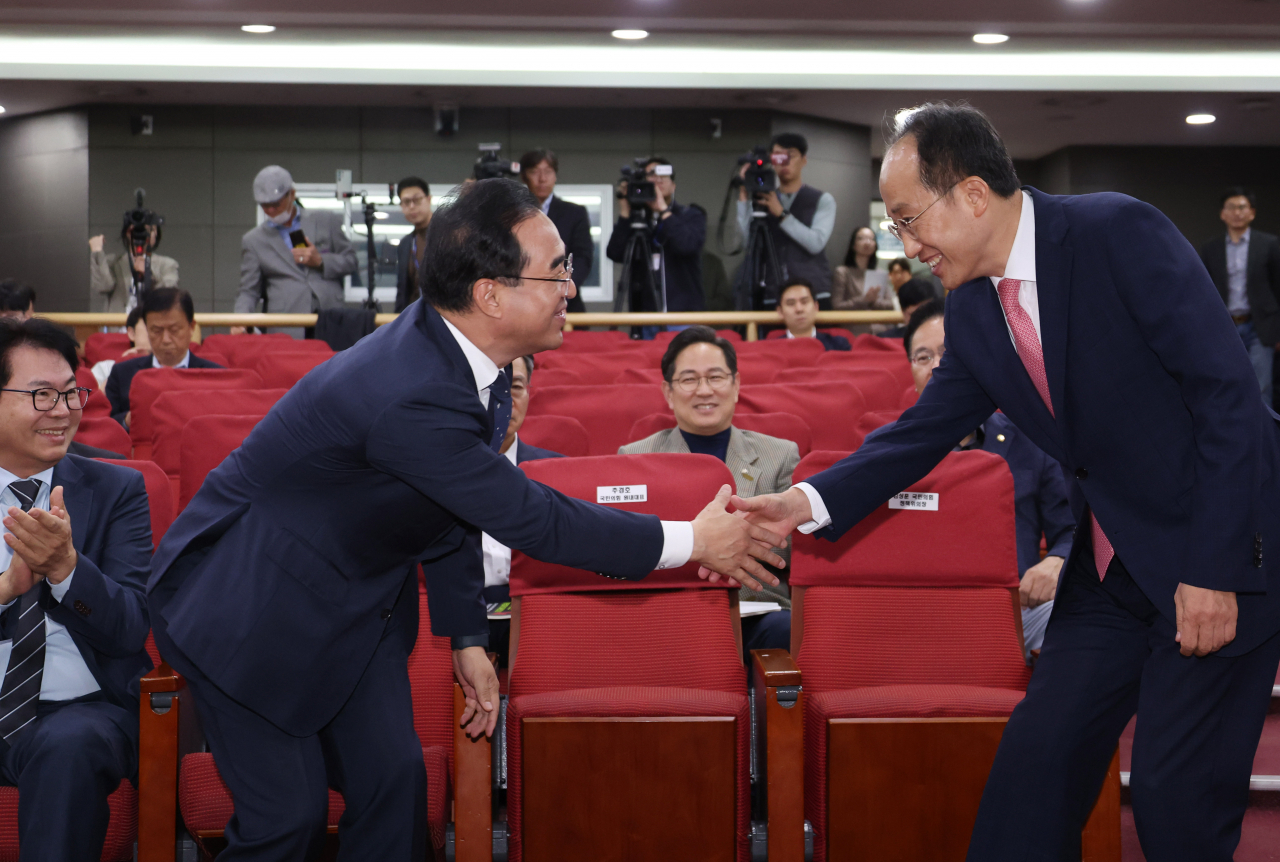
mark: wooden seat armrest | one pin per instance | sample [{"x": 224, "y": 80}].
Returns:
[
  {"x": 779, "y": 715},
  {"x": 775, "y": 667},
  {"x": 162, "y": 678},
  {"x": 168, "y": 729},
  {"x": 472, "y": 788}
]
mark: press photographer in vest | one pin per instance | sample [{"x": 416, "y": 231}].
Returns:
[{"x": 799, "y": 219}]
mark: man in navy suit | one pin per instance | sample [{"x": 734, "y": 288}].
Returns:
[
  {"x": 1090, "y": 322},
  {"x": 285, "y": 591},
  {"x": 169, "y": 316},
  {"x": 75, "y": 554}
]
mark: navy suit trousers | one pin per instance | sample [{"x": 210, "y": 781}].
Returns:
[
  {"x": 1108, "y": 653},
  {"x": 65, "y": 765}
]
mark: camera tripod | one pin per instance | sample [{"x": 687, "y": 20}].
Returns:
[
  {"x": 638, "y": 253},
  {"x": 760, "y": 261}
]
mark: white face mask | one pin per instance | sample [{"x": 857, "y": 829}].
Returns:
[{"x": 283, "y": 218}]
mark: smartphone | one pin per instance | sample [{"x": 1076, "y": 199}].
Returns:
[{"x": 298, "y": 238}]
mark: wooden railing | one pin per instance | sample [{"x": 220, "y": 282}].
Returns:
[{"x": 86, "y": 323}]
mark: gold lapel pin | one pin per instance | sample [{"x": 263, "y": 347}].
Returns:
[
  {"x": 748, "y": 475},
  {"x": 1000, "y": 438}
]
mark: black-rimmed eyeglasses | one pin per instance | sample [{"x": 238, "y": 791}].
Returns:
[{"x": 45, "y": 400}]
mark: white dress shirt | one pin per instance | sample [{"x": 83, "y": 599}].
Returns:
[
  {"x": 677, "y": 536},
  {"x": 1022, "y": 266},
  {"x": 185, "y": 363},
  {"x": 66, "y": 676},
  {"x": 813, "y": 333}
]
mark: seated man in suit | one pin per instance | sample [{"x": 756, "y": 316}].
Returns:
[
  {"x": 497, "y": 556},
  {"x": 1041, "y": 506},
  {"x": 170, "y": 316},
  {"x": 915, "y": 293},
  {"x": 700, "y": 383},
  {"x": 799, "y": 312},
  {"x": 76, "y": 550}
]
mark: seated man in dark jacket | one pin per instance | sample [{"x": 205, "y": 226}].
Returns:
[
  {"x": 170, "y": 317},
  {"x": 75, "y": 556},
  {"x": 799, "y": 312}
]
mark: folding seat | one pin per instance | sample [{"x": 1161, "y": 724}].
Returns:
[
  {"x": 879, "y": 388},
  {"x": 759, "y": 367},
  {"x": 227, "y": 344},
  {"x": 212, "y": 355},
  {"x": 606, "y": 412},
  {"x": 664, "y": 338},
  {"x": 282, "y": 370},
  {"x": 149, "y": 383},
  {"x": 909, "y": 636},
  {"x": 784, "y": 425},
  {"x": 586, "y": 340},
  {"x": 98, "y": 405},
  {"x": 206, "y": 442},
  {"x": 248, "y": 357},
  {"x": 867, "y": 342},
  {"x": 909, "y": 398},
  {"x": 829, "y": 408},
  {"x": 562, "y": 434},
  {"x": 553, "y": 377},
  {"x": 105, "y": 345},
  {"x": 159, "y": 495},
  {"x": 789, "y": 351},
  {"x": 648, "y": 376},
  {"x": 893, "y": 361},
  {"x": 628, "y": 724},
  {"x": 775, "y": 334},
  {"x": 597, "y": 368},
  {"x": 103, "y": 432},
  {"x": 869, "y": 422}
]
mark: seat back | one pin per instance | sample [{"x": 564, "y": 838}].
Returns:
[
  {"x": 647, "y": 376},
  {"x": 228, "y": 345},
  {"x": 554, "y": 377},
  {"x": 909, "y": 398},
  {"x": 893, "y": 361},
  {"x": 206, "y": 442},
  {"x": 587, "y": 341},
  {"x": 562, "y": 434},
  {"x": 829, "y": 408},
  {"x": 159, "y": 496},
  {"x": 789, "y": 351},
  {"x": 872, "y": 421},
  {"x": 150, "y": 382},
  {"x": 213, "y": 356},
  {"x": 784, "y": 425},
  {"x": 280, "y": 370},
  {"x": 103, "y": 432},
  {"x": 606, "y": 412},
  {"x": 664, "y": 338},
  {"x": 597, "y": 368},
  {"x": 105, "y": 345},
  {"x": 879, "y": 388},
  {"x": 924, "y": 590},
  {"x": 98, "y": 405},
  {"x": 172, "y": 410},
  {"x": 247, "y": 356}
]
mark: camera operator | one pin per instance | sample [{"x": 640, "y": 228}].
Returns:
[
  {"x": 678, "y": 232},
  {"x": 539, "y": 170},
  {"x": 415, "y": 205},
  {"x": 800, "y": 220},
  {"x": 122, "y": 278}
]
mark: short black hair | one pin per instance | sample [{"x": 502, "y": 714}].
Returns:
[
  {"x": 851, "y": 256},
  {"x": 533, "y": 158},
  {"x": 37, "y": 333},
  {"x": 790, "y": 141},
  {"x": 16, "y": 296},
  {"x": 922, "y": 315},
  {"x": 914, "y": 292},
  {"x": 797, "y": 282},
  {"x": 1238, "y": 192},
  {"x": 900, "y": 262},
  {"x": 954, "y": 142},
  {"x": 132, "y": 320},
  {"x": 528, "y": 365},
  {"x": 413, "y": 183},
  {"x": 160, "y": 299},
  {"x": 696, "y": 335},
  {"x": 473, "y": 237},
  {"x": 661, "y": 160}
]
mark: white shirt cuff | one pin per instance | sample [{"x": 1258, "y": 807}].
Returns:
[
  {"x": 677, "y": 544},
  {"x": 60, "y": 589},
  {"x": 821, "y": 517}
]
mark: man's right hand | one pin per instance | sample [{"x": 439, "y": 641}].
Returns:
[
  {"x": 778, "y": 513},
  {"x": 17, "y": 580},
  {"x": 95, "y": 243},
  {"x": 725, "y": 544}
]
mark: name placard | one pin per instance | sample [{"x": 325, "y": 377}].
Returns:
[
  {"x": 924, "y": 501},
  {"x": 625, "y": 494}
]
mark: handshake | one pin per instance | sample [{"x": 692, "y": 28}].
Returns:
[{"x": 735, "y": 544}]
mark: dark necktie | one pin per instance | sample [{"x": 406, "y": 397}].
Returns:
[
  {"x": 20, "y": 694},
  {"x": 500, "y": 408}
]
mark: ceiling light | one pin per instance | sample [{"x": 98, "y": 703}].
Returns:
[
  {"x": 990, "y": 38},
  {"x": 258, "y": 28},
  {"x": 1201, "y": 119},
  {"x": 1, "y": 109},
  {"x": 630, "y": 34}
]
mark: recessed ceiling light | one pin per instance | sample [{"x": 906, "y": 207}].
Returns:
[
  {"x": 630, "y": 34},
  {"x": 990, "y": 38},
  {"x": 1, "y": 109},
  {"x": 1201, "y": 119},
  {"x": 258, "y": 28}
]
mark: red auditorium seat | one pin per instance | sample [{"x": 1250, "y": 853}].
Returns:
[
  {"x": 664, "y": 338},
  {"x": 586, "y": 340},
  {"x": 553, "y": 377},
  {"x": 606, "y": 412},
  {"x": 105, "y": 345},
  {"x": 895, "y": 362},
  {"x": 784, "y": 425},
  {"x": 869, "y": 422},
  {"x": 213, "y": 356},
  {"x": 149, "y": 383},
  {"x": 228, "y": 344},
  {"x": 282, "y": 370},
  {"x": 206, "y": 442},
  {"x": 562, "y": 434},
  {"x": 752, "y": 368},
  {"x": 909, "y": 636},
  {"x": 829, "y": 408},
  {"x": 597, "y": 368},
  {"x": 643, "y": 680},
  {"x": 789, "y": 352},
  {"x": 159, "y": 495},
  {"x": 879, "y": 388},
  {"x": 98, "y": 405},
  {"x": 875, "y": 344},
  {"x": 103, "y": 432},
  {"x": 775, "y": 334},
  {"x": 909, "y": 398},
  {"x": 648, "y": 376}
]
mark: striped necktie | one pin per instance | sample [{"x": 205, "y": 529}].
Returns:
[{"x": 20, "y": 693}]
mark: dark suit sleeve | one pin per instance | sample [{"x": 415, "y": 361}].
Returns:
[
  {"x": 580, "y": 245},
  {"x": 1273, "y": 267},
  {"x": 1054, "y": 508},
  {"x": 111, "y": 582},
  {"x": 402, "y": 277},
  {"x": 683, "y": 232},
  {"x": 117, "y": 393},
  {"x": 455, "y": 591},
  {"x": 617, "y": 246}
]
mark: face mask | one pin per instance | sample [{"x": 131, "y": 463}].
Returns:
[{"x": 283, "y": 218}]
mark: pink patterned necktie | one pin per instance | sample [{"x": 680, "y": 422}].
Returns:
[{"x": 1028, "y": 346}]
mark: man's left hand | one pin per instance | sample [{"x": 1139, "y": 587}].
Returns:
[
  {"x": 771, "y": 202},
  {"x": 480, "y": 688},
  {"x": 1206, "y": 619},
  {"x": 1040, "y": 582},
  {"x": 43, "y": 539},
  {"x": 309, "y": 256}
]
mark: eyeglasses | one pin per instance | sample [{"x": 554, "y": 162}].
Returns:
[
  {"x": 927, "y": 357},
  {"x": 563, "y": 282},
  {"x": 898, "y": 225},
  {"x": 45, "y": 400},
  {"x": 718, "y": 381},
  {"x": 1239, "y": 208}
]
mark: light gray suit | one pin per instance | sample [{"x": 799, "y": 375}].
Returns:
[
  {"x": 111, "y": 276},
  {"x": 760, "y": 464},
  {"x": 266, "y": 260}
]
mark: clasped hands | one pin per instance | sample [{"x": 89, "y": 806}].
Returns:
[{"x": 42, "y": 547}]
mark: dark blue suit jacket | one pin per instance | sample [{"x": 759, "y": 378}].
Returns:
[
  {"x": 526, "y": 452},
  {"x": 309, "y": 531},
  {"x": 105, "y": 609},
  {"x": 831, "y": 341},
  {"x": 121, "y": 379},
  {"x": 1156, "y": 410}
]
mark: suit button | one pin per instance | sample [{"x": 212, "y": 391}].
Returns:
[
  {"x": 1082, "y": 473},
  {"x": 82, "y": 609},
  {"x": 386, "y": 613}
]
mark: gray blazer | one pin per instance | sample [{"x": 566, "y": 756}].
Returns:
[
  {"x": 760, "y": 464},
  {"x": 292, "y": 289},
  {"x": 110, "y": 278}
]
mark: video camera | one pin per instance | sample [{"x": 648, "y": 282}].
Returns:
[
  {"x": 490, "y": 166},
  {"x": 640, "y": 191},
  {"x": 136, "y": 228},
  {"x": 760, "y": 176}
]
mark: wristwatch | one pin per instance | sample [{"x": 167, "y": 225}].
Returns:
[{"x": 785, "y": 212}]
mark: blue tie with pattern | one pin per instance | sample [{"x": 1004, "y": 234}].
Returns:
[
  {"x": 20, "y": 693},
  {"x": 500, "y": 407}
]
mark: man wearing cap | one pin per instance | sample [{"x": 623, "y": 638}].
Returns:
[{"x": 292, "y": 263}]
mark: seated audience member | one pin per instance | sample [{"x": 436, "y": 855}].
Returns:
[
  {"x": 915, "y": 293},
  {"x": 497, "y": 556},
  {"x": 137, "y": 330},
  {"x": 169, "y": 316},
  {"x": 849, "y": 291},
  {"x": 700, "y": 383},
  {"x": 74, "y": 615},
  {"x": 799, "y": 312},
  {"x": 1040, "y": 493},
  {"x": 899, "y": 273},
  {"x": 17, "y": 300}
]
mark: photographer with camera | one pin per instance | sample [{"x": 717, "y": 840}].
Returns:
[
  {"x": 539, "y": 170},
  {"x": 675, "y": 236},
  {"x": 122, "y": 278},
  {"x": 799, "y": 220}
]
